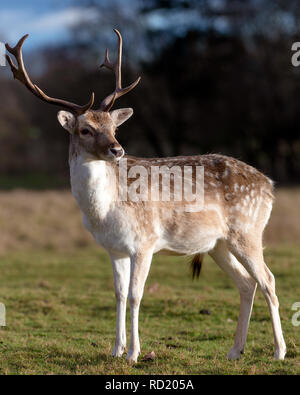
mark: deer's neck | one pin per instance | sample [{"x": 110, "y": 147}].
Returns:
[{"x": 93, "y": 183}]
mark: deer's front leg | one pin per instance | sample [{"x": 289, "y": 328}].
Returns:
[
  {"x": 140, "y": 265},
  {"x": 121, "y": 268}
]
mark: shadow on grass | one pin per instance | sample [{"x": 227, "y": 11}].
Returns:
[{"x": 204, "y": 338}]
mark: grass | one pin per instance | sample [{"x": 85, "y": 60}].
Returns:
[
  {"x": 35, "y": 181},
  {"x": 61, "y": 316}
]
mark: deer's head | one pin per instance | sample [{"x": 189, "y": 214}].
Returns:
[{"x": 92, "y": 130}]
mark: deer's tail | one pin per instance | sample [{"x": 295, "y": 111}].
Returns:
[{"x": 196, "y": 264}]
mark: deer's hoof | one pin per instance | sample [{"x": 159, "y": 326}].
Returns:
[
  {"x": 234, "y": 353},
  {"x": 118, "y": 351},
  {"x": 280, "y": 354},
  {"x": 132, "y": 356}
]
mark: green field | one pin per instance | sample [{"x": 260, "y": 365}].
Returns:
[{"x": 61, "y": 316}]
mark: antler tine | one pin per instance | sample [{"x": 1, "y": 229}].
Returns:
[
  {"x": 20, "y": 74},
  {"x": 108, "y": 102},
  {"x": 107, "y": 63},
  {"x": 119, "y": 61},
  {"x": 16, "y": 51}
]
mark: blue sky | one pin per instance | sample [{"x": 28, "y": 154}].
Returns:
[{"x": 47, "y": 21}]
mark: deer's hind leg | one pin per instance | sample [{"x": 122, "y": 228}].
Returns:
[
  {"x": 249, "y": 251},
  {"x": 246, "y": 286}
]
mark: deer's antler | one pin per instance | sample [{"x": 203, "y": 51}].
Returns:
[
  {"x": 21, "y": 75},
  {"x": 108, "y": 102}
]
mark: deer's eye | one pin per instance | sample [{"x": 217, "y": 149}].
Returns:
[{"x": 85, "y": 132}]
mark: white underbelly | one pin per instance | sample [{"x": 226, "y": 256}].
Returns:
[{"x": 202, "y": 243}]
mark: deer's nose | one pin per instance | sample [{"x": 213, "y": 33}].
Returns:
[{"x": 117, "y": 151}]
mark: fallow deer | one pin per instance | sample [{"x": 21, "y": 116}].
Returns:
[{"x": 229, "y": 227}]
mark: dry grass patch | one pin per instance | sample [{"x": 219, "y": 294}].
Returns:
[
  {"x": 40, "y": 219},
  {"x": 284, "y": 224}
]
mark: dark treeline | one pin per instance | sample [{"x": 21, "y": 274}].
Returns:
[{"x": 216, "y": 77}]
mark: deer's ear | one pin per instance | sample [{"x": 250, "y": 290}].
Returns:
[
  {"x": 67, "y": 120},
  {"x": 121, "y": 115}
]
